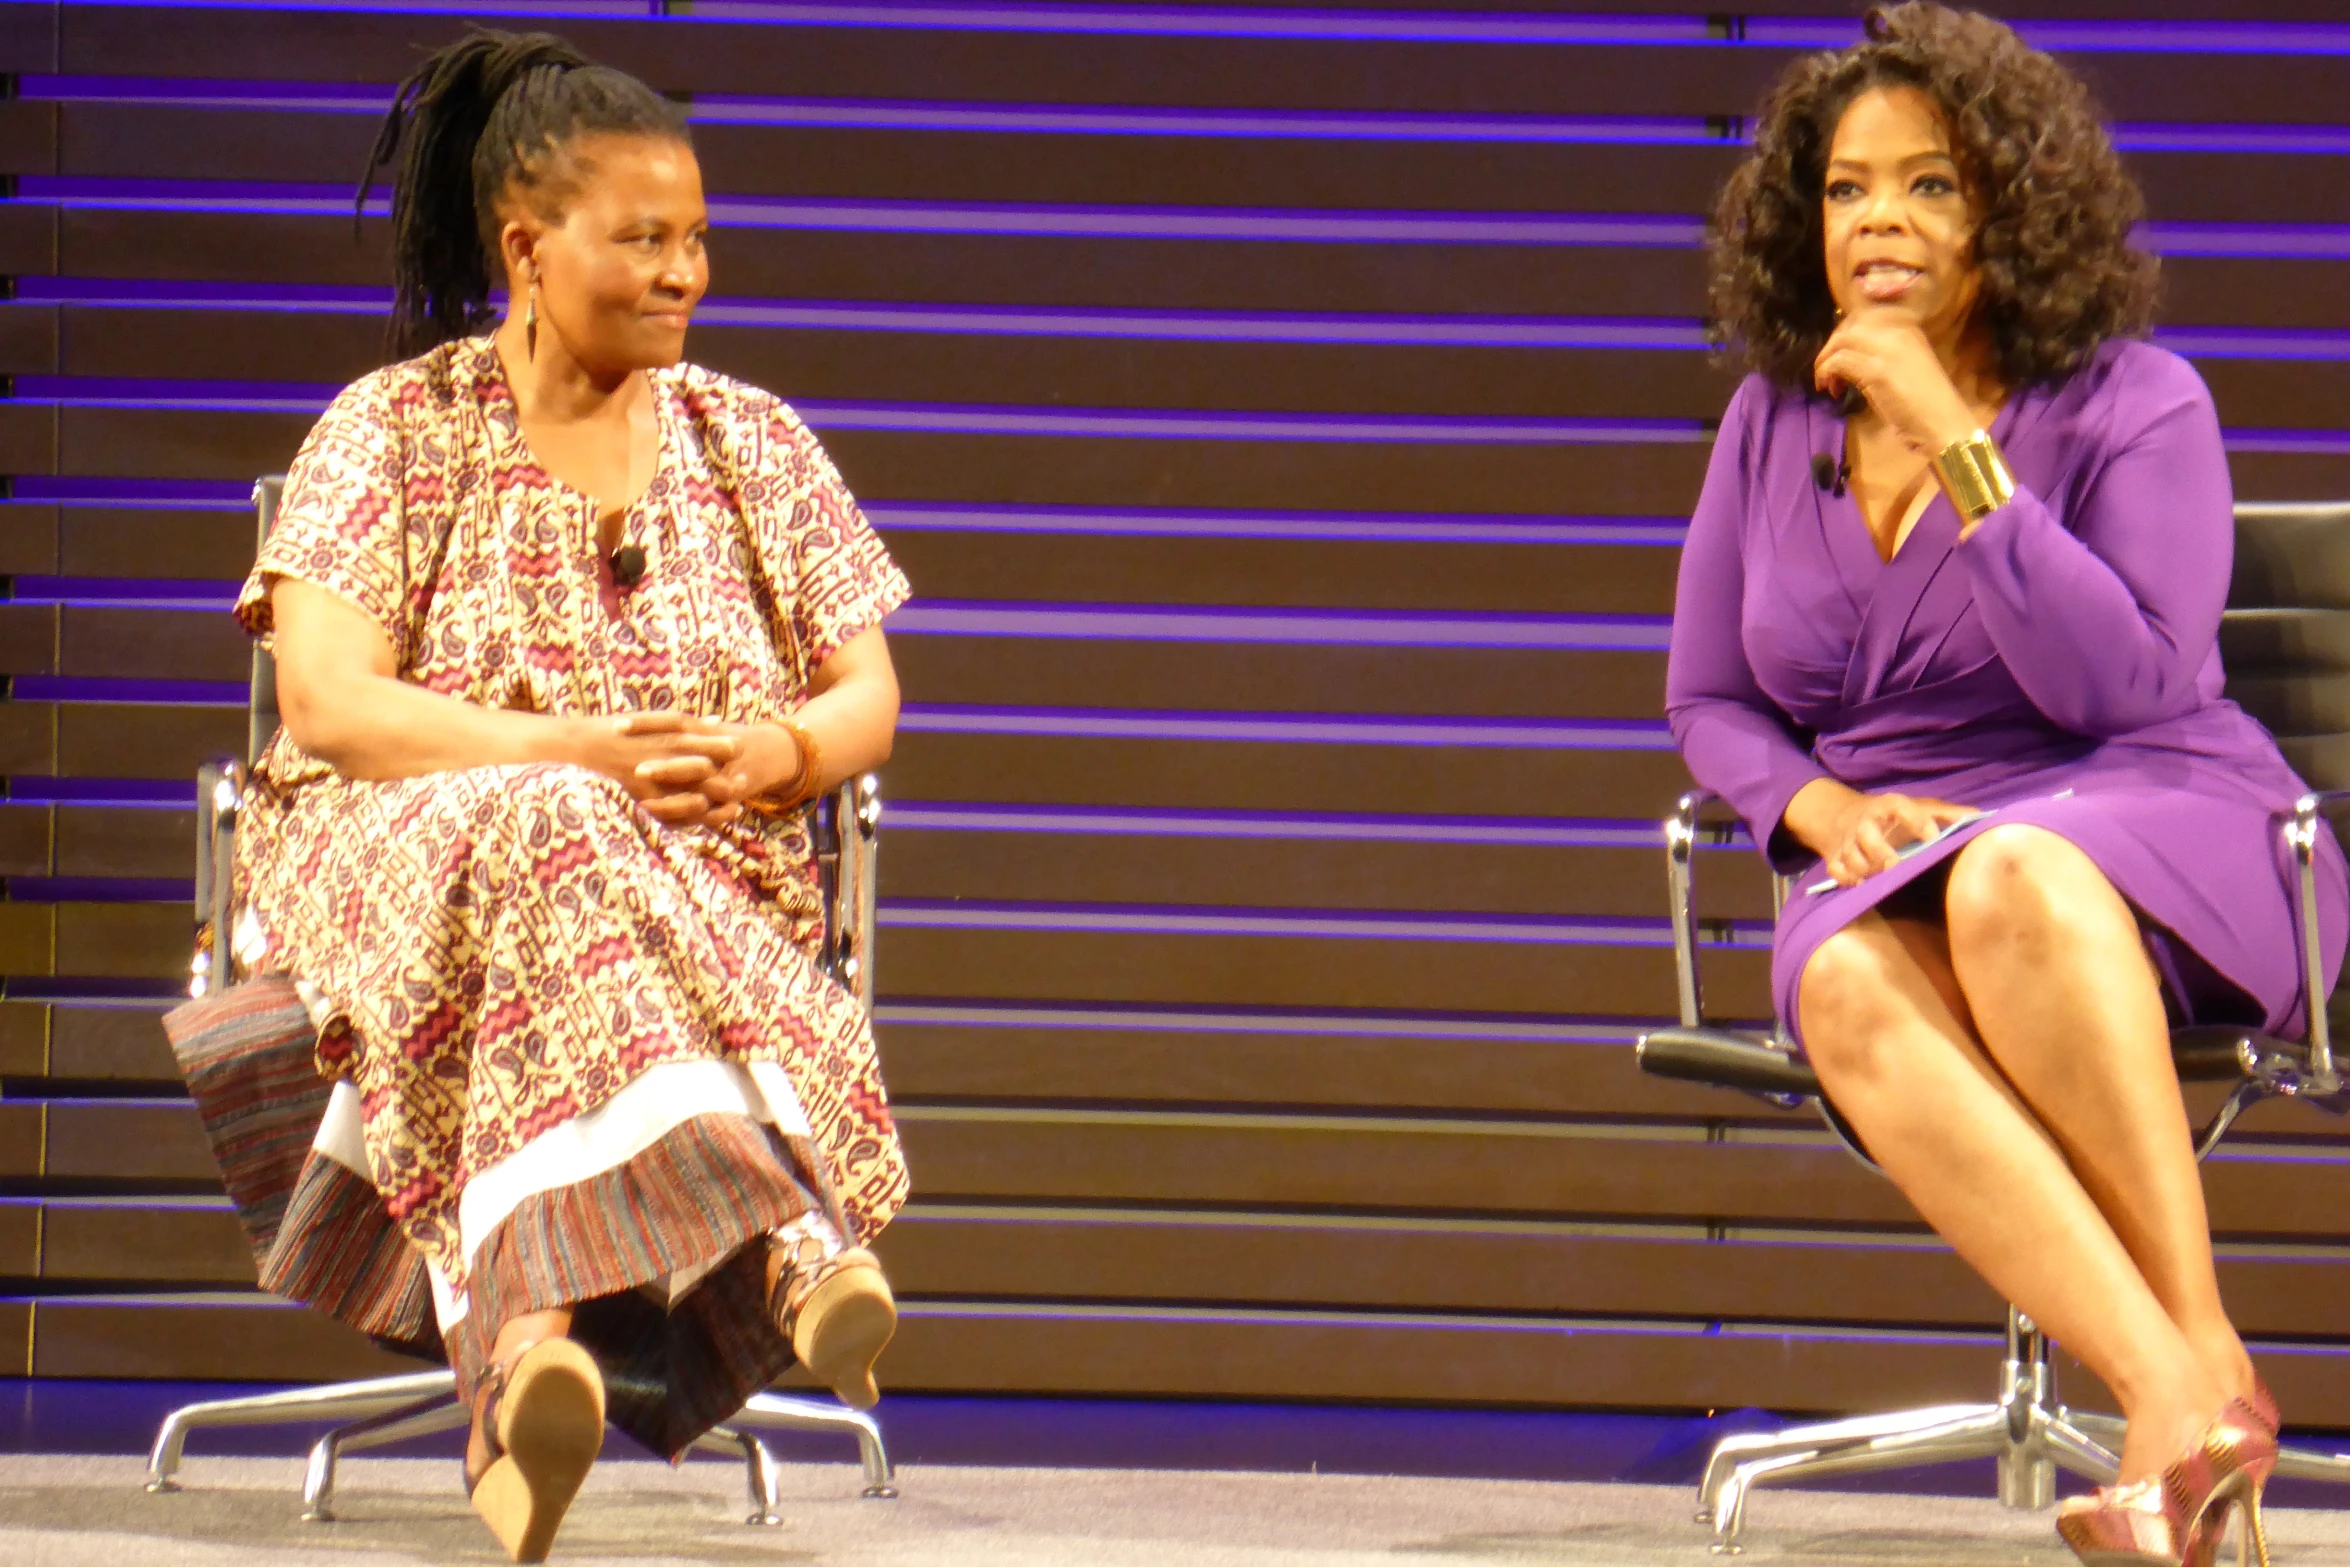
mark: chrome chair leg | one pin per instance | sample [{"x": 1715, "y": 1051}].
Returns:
[
  {"x": 423, "y": 1418},
  {"x": 342, "y": 1401},
  {"x": 784, "y": 1412},
  {"x": 759, "y": 1471},
  {"x": 1924, "y": 1436},
  {"x": 2302, "y": 1463}
]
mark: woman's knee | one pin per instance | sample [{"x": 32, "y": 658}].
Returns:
[
  {"x": 2017, "y": 884},
  {"x": 1847, "y": 1002}
]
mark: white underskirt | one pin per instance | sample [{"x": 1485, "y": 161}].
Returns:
[{"x": 624, "y": 1126}]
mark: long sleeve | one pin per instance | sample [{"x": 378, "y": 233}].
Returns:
[
  {"x": 2107, "y": 625},
  {"x": 1736, "y": 741}
]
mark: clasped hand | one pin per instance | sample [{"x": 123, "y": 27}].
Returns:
[{"x": 689, "y": 771}]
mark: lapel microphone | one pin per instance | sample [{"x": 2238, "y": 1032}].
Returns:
[
  {"x": 1829, "y": 474},
  {"x": 628, "y": 563}
]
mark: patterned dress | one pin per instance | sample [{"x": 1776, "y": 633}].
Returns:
[{"x": 578, "y": 1056}]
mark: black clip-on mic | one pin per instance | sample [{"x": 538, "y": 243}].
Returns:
[
  {"x": 1829, "y": 473},
  {"x": 628, "y": 565}
]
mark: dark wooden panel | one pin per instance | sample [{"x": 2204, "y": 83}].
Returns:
[
  {"x": 1239, "y": 775},
  {"x": 28, "y": 37},
  {"x": 28, "y": 938},
  {"x": 155, "y": 141},
  {"x": 1643, "y": 479},
  {"x": 1301, "y": 872},
  {"x": 107, "y": 541},
  {"x": 26, "y": 833},
  {"x": 28, "y": 638},
  {"x": 260, "y": 1341},
  {"x": 1076, "y": 270},
  {"x": 28, "y": 336},
  {"x": 1033, "y": 67},
  {"x": 28, "y": 234},
  {"x": 153, "y": 644},
  {"x": 1281, "y": 677},
  {"x": 16, "y": 1324},
  {"x": 28, "y": 739},
  {"x": 1081, "y": 372},
  {"x": 1342, "y": 573},
  {"x": 28, "y": 137},
  {"x": 1329, "y": 1063},
  {"x": 124, "y": 940},
  {"x": 24, "y": 1039},
  {"x": 2289, "y": 476},
  {"x": 28, "y": 539},
  {"x": 124, "y": 841},
  {"x": 1356, "y": 73},
  {"x": 20, "y": 1140},
  {"x": 135, "y": 740},
  {"x": 127, "y": 1140},
  {"x": 179, "y": 1244},
  {"x": 1424, "y": 972},
  {"x": 20, "y": 1240},
  {"x": 123, "y": 1042},
  {"x": 28, "y": 438},
  {"x": 1354, "y": 1164}
]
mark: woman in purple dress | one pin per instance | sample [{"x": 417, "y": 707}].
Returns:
[{"x": 1955, "y": 580}]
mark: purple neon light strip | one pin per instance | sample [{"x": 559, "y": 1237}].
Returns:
[
  {"x": 1052, "y": 119},
  {"x": 1324, "y": 628},
  {"x": 160, "y": 693},
  {"x": 1116, "y": 821},
  {"x": 1310, "y": 924},
  {"x": 1122, "y": 423},
  {"x": 912, "y": 517},
  {"x": 1024, "y": 220},
  {"x": 1192, "y": 326},
  {"x": 1291, "y": 729},
  {"x": 970, "y": 419},
  {"x": 1241, "y": 1020},
  {"x": 1141, "y": 623},
  {"x": 2095, "y": 37}
]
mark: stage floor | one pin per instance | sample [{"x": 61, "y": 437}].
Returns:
[{"x": 242, "y": 1512}]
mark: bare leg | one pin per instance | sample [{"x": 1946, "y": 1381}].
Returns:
[
  {"x": 517, "y": 1335},
  {"x": 1884, "y": 1024},
  {"x": 2066, "y": 1001}
]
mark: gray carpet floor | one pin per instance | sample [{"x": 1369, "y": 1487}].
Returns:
[{"x": 243, "y": 1512}]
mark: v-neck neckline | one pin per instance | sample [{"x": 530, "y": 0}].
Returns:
[{"x": 1841, "y": 513}]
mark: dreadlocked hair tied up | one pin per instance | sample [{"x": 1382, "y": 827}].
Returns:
[{"x": 480, "y": 125}]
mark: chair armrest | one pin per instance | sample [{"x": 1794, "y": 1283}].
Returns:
[{"x": 1720, "y": 1058}]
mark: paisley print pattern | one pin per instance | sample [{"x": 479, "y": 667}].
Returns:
[{"x": 505, "y": 948}]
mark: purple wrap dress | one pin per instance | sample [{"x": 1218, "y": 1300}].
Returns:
[{"x": 2059, "y": 667}]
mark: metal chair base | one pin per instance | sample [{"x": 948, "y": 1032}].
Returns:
[
  {"x": 2027, "y": 1431},
  {"x": 392, "y": 1409}
]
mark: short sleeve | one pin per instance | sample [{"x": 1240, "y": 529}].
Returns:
[
  {"x": 341, "y": 522},
  {"x": 844, "y": 580}
]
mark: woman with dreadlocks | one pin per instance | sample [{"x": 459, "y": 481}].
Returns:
[{"x": 566, "y": 631}]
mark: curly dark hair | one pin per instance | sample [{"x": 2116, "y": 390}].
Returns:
[{"x": 2058, "y": 275}]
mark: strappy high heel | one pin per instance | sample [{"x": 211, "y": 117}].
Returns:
[
  {"x": 837, "y": 1310},
  {"x": 2179, "y": 1517},
  {"x": 542, "y": 1417}
]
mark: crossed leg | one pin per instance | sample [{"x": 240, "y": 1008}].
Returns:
[{"x": 2009, "y": 1068}]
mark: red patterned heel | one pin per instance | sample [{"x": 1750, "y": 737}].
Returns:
[{"x": 2177, "y": 1518}]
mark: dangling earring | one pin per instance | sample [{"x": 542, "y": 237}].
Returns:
[{"x": 530, "y": 322}]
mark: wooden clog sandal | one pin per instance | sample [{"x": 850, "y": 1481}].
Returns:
[
  {"x": 837, "y": 1311},
  {"x": 543, "y": 1419}
]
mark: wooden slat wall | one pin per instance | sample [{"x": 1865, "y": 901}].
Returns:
[{"x": 1288, "y": 437}]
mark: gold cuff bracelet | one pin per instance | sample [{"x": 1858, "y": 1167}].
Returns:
[{"x": 1974, "y": 475}]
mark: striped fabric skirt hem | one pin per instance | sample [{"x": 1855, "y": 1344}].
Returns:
[{"x": 660, "y": 1253}]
